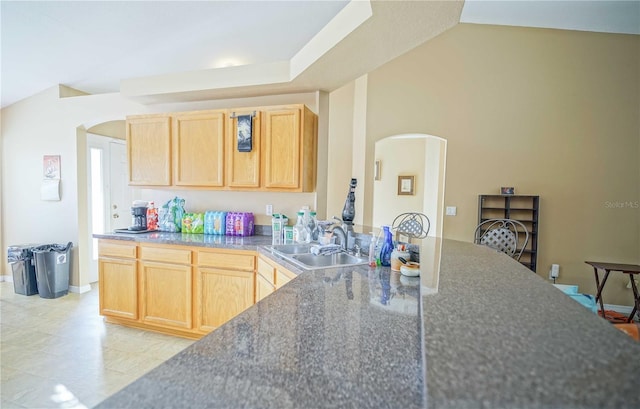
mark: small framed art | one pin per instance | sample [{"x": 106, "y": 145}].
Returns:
[{"x": 406, "y": 185}]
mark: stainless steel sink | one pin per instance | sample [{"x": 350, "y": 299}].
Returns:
[
  {"x": 292, "y": 248},
  {"x": 341, "y": 259},
  {"x": 300, "y": 254}
]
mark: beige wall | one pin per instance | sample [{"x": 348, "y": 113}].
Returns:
[
  {"x": 339, "y": 169},
  {"x": 553, "y": 113},
  {"x": 398, "y": 157}
]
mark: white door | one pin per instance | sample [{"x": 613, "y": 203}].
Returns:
[
  {"x": 121, "y": 195},
  {"x": 110, "y": 196}
]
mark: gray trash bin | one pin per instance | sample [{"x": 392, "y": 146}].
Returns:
[
  {"x": 52, "y": 269},
  {"x": 20, "y": 257}
]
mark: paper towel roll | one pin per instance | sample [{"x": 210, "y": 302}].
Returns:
[{"x": 50, "y": 189}]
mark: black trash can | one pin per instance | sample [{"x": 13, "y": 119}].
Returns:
[
  {"x": 24, "y": 271},
  {"x": 52, "y": 269}
]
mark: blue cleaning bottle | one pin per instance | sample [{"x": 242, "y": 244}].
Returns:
[{"x": 387, "y": 247}]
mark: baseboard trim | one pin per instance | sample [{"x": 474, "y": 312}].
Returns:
[
  {"x": 72, "y": 288},
  {"x": 80, "y": 290}
]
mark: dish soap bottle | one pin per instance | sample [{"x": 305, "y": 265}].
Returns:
[{"x": 387, "y": 247}]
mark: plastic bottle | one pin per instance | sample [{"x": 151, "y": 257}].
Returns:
[
  {"x": 372, "y": 250},
  {"x": 152, "y": 217},
  {"x": 387, "y": 247},
  {"x": 312, "y": 224},
  {"x": 300, "y": 230}
]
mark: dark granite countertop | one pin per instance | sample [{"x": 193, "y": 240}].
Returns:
[
  {"x": 188, "y": 239},
  {"x": 476, "y": 330}
]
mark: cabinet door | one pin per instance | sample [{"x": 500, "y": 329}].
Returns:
[
  {"x": 149, "y": 150},
  {"x": 222, "y": 294},
  {"x": 118, "y": 288},
  {"x": 199, "y": 149},
  {"x": 243, "y": 168},
  {"x": 263, "y": 287},
  {"x": 281, "y": 149},
  {"x": 283, "y": 277},
  {"x": 166, "y": 294}
]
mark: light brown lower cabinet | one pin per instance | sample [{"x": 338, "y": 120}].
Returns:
[
  {"x": 264, "y": 287},
  {"x": 224, "y": 286},
  {"x": 166, "y": 286},
  {"x": 166, "y": 294},
  {"x": 118, "y": 278},
  {"x": 181, "y": 290},
  {"x": 271, "y": 276}
]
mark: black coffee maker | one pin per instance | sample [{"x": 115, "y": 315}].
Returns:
[{"x": 138, "y": 218}]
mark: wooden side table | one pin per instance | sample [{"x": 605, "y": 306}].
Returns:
[{"x": 631, "y": 269}]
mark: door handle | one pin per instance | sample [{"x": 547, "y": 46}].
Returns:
[{"x": 116, "y": 215}]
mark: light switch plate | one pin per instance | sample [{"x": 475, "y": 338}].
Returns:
[
  {"x": 269, "y": 210},
  {"x": 451, "y": 210}
]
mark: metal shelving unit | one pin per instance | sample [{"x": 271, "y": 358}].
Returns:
[{"x": 522, "y": 208}]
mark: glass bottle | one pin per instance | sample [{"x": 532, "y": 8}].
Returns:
[
  {"x": 387, "y": 247},
  {"x": 300, "y": 230},
  {"x": 349, "y": 209},
  {"x": 313, "y": 226}
]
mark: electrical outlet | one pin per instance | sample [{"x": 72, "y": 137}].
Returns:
[
  {"x": 269, "y": 210},
  {"x": 554, "y": 272}
]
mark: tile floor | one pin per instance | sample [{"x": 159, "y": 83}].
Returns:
[{"x": 45, "y": 342}]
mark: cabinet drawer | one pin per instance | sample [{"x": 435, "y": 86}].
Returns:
[
  {"x": 267, "y": 271},
  {"x": 113, "y": 249},
  {"x": 230, "y": 261},
  {"x": 166, "y": 254}
]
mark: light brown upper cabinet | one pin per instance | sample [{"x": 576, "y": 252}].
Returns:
[
  {"x": 289, "y": 143},
  {"x": 149, "y": 150},
  {"x": 243, "y": 168},
  {"x": 198, "y": 148}
]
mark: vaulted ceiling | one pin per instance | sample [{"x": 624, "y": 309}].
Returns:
[{"x": 156, "y": 51}]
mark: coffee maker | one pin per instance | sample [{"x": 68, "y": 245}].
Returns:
[{"x": 138, "y": 218}]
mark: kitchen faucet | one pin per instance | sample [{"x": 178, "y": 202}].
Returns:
[
  {"x": 341, "y": 233},
  {"x": 336, "y": 227}
]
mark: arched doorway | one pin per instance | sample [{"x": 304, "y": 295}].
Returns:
[{"x": 421, "y": 157}]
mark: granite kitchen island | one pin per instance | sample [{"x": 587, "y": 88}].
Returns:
[{"x": 476, "y": 330}]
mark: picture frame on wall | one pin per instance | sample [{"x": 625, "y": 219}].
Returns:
[
  {"x": 406, "y": 185},
  {"x": 51, "y": 167}
]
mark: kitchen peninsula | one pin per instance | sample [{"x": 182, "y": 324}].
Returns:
[{"x": 480, "y": 331}]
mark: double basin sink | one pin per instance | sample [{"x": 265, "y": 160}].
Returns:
[{"x": 300, "y": 254}]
